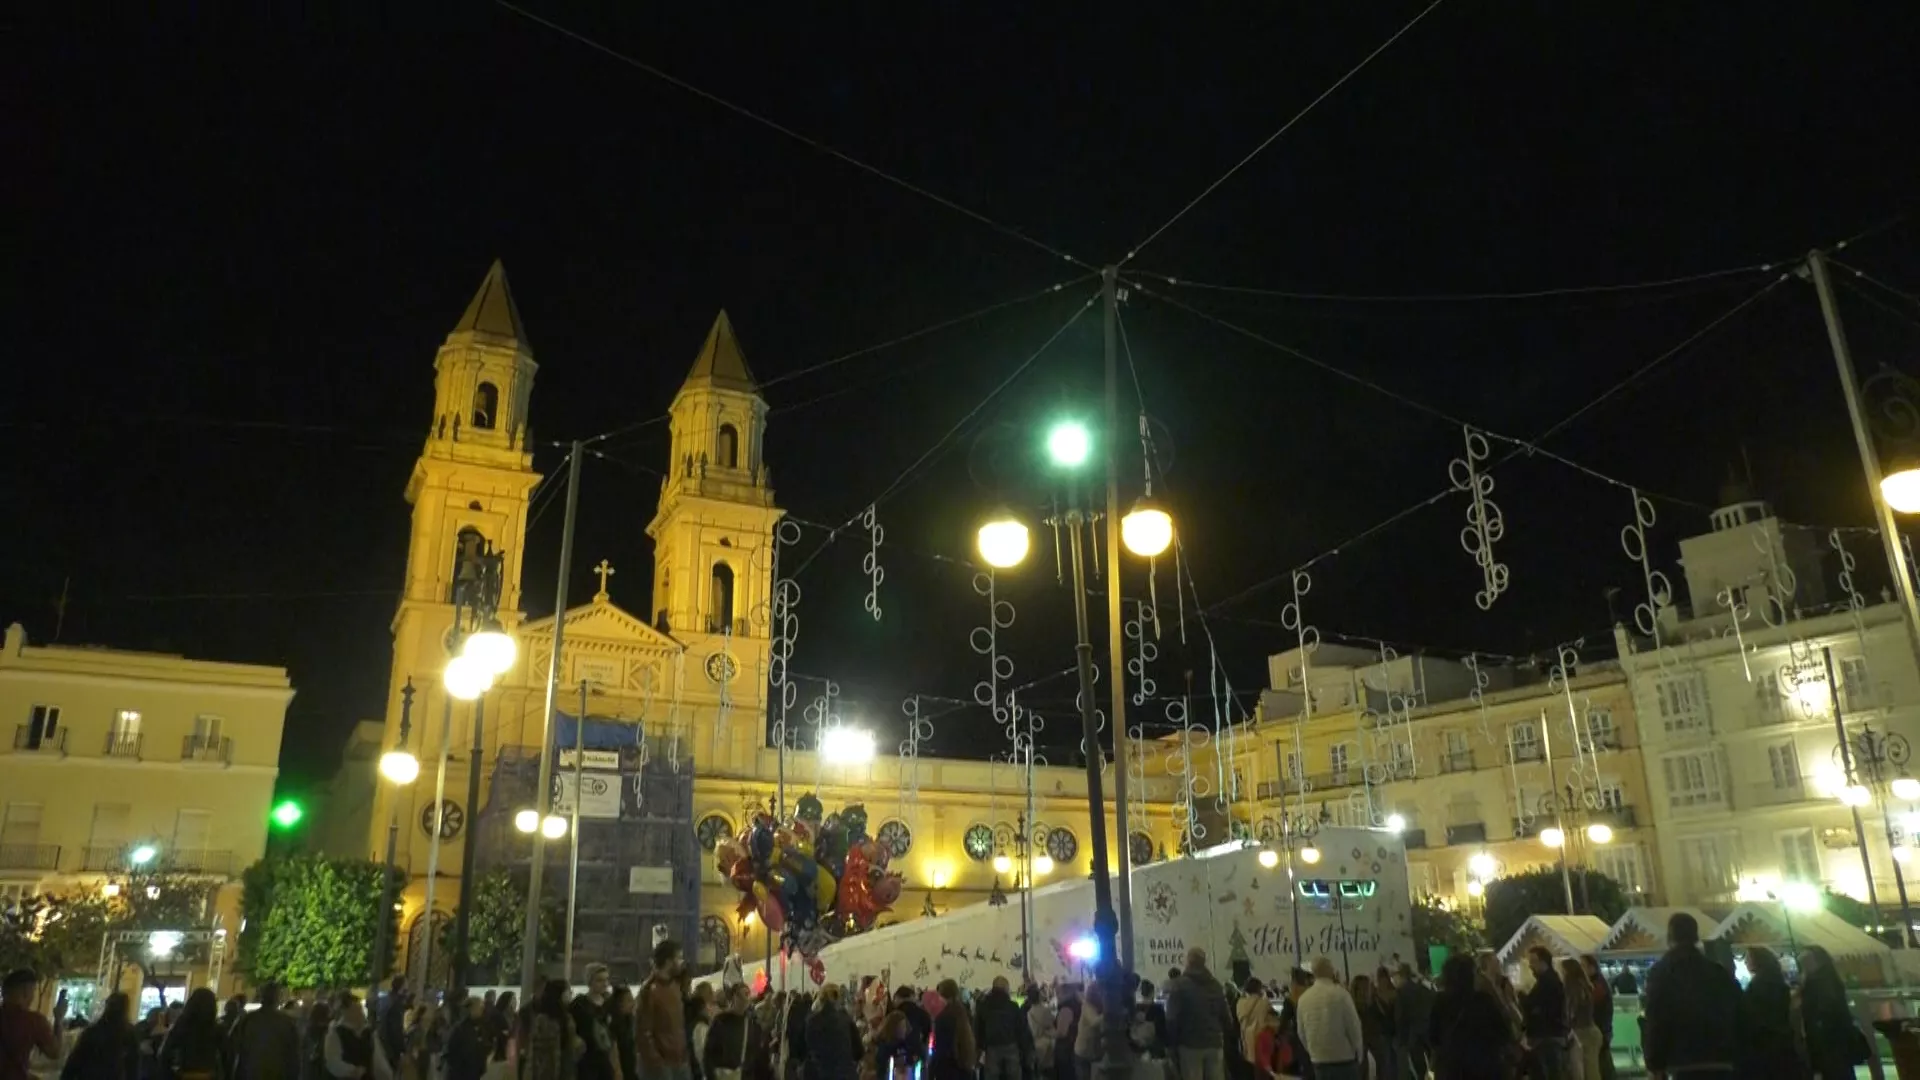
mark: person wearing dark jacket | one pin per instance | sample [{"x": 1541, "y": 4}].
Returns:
[
  {"x": 1691, "y": 1008},
  {"x": 907, "y": 1004},
  {"x": 620, "y": 1024},
  {"x": 1005, "y": 1039},
  {"x": 194, "y": 1050},
  {"x": 108, "y": 1049},
  {"x": 955, "y": 1050},
  {"x": 465, "y": 1057},
  {"x": 725, "y": 1054},
  {"x": 1543, "y": 1018},
  {"x": 266, "y": 1041},
  {"x": 1196, "y": 1012},
  {"x": 391, "y": 1031},
  {"x": 1766, "y": 1022},
  {"x": 1412, "y": 1016},
  {"x": 1602, "y": 1014},
  {"x": 833, "y": 1046},
  {"x": 1468, "y": 1028},
  {"x": 1835, "y": 1043}
]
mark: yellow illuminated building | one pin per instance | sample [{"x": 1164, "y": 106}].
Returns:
[
  {"x": 119, "y": 756},
  {"x": 686, "y": 661},
  {"x": 1462, "y": 768}
]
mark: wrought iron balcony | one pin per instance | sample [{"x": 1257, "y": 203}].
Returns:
[
  {"x": 122, "y": 745},
  {"x": 1454, "y": 761},
  {"x": 29, "y": 856},
  {"x": 213, "y": 750},
  {"x": 1414, "y": 839},
  {"x": 29, "y": 740},
  {"x": 1471, "y": 833}
]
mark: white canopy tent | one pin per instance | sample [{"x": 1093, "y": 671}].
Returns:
[
  {"x": 1642, "y": 931},
  {"x": 1858, "y": 954},
  {"x": 1561, "y": 935}
]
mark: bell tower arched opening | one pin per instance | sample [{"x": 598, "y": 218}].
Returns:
[{"x": 720, "y": 599}]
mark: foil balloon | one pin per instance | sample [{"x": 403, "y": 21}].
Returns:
[
  {"x": 760, "y": 840},
  {"x": 773, "y": 913}
]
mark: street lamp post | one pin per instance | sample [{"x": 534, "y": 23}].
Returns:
[
  {"x": 477, "y": 586},
  {"x": 1868, "y": 756},
  {"x": 400, "y": 768}
]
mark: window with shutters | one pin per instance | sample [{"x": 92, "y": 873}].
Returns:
[
  {"x": 1854, "y": 683},
  {"x": 1707, "y": 865},
  {"x": 1783, "y": 762},
  {"x": 1524, "y": 738},
  {"x": 192, "y": 834},
  {"x": 22, "y": 828},
  {"x": 1625, "y": 864},
  {"x": 1610, "y": 794},
  {"x": 110, "y": 824},
  {"x": 1337, "y": 761},
  {"x": 1601, "y": 734},
  {"x": 1682, "y": 703},
  {"x": 1693, "y": 780},
  {"x": 1799, "y": 858}
]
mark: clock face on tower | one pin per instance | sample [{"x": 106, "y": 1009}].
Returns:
[{"x": 722, "y": 667}]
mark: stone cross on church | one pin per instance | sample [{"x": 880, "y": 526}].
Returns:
[{"x": 605, "y": 570}]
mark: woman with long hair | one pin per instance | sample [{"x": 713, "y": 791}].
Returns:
[
  {"x": 1471, "y": 1036},
  {"x": 1581, "y": 1023},
  {"x": 1767, "y": 1051},
  {"x": 107, "y": 1049},
  {"x": 955, "y": 1053},
  {"x": 1834, "y": 1041},
  {"x": 546, "y": 1035},
  {"x": 833, "y": 1046},
  {"x": 193, "y": 1049},
  {"x": 1374, "y": 1023},
  {"x": 313, "y": 1042}
]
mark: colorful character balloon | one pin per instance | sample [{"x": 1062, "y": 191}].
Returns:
[{"x": 809, "y": 879}]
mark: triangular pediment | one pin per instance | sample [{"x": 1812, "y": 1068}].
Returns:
[{"x": 603, "y": 623}]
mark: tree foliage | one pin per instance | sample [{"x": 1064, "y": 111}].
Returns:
[
  {"x": 62, "y": 933},
  {"x": 311, "y": 920},
  {"x": 1434, "y": 923},
  {"x": 497, "y": 925},
  {"x": 1510, "y": 900}
]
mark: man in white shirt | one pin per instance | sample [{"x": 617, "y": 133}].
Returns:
[{"x": 1330, "y": 1027}]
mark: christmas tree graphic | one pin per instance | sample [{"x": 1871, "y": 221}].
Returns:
[{"x": 1237, "y": 946}]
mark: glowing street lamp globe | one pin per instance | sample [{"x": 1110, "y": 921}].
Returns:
[
  {"x": 1906, "y": 789},
  {"x": 1483, "y": 865},
  {"x": 1600, "y": 833},
  {"x": 1552, "y": 837},
  {"x": 142, "y": 855},
  {"x": 1043, "y": 864},
  {"x": 846, "y": 746},
  {"x": 466, "y": 677},
  {"x": 1396, "y": 823},
  {"x": 1901, "y": 489},
  {"x": 1003, "y": 541},
  {"x": 527, "y": 821},
  {"x": 1147, "y": 530},
  {"x": 1856, "y": 795},
  {"x": 1269, "y": 858},
  {"x": 1800, "y": 896},
  {"x": 1002, "y": 864},
  {"x": 399, "y": 766},
  {"x": 1475, "y": 888},
  {"x": 554, "y": 827},
  {"x": 1069, "y": 444},
  {"x": 1309, "y": 854},
  {"x": 492, "y": 648}
]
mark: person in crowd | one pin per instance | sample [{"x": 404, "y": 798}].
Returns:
[
  {"x": 1040, "y": 1024},
  {"x": 1375, "y": 1017},
  {"x": 1086, "y": 1039},
  {"x": 907, "y": 1003},
  {"x": 1602, "y": 1013},
  {"x": 503, "y": 1021},
  {"x": 1412, "y": 1015},
  {"x": 1269, "y": 1056},
  {"x": 662, "y": 1036},
  {"x": 1767, "y": 1050},
  {"x": 1006, "y": 1042},
  {"x": 1691, "y": 1009},
  {"x": 1495, "y": 982},
  {"x": 1625, "y": 985},
  {"x": 699, "y": 1010},
  {"x": 1835, "y": 1043},
  {"x": 548, "y": 1044},
  {"x": 894, "y": 1052},
  {"x": 230, "y": 1014},
  {"x": 22, "y": 1030},
  {"x": 350, "y": 1051},
  {"x": 955, "y": 1050},
  {"x": 1387, "y": 1058},
  {"x": 151, "y": 1032},
  {"x": 1294, "y": 1052},
  {"x": 794, "y": 1047},
  {"x": 194, "y": 1048},
  {"x": 589, "y": 1013},
  {"x": 465, "y": 1057},
  {"x": 392, "y": 1023},
  {"x": 1330, "y": 1026},
  {"x": 1196, "y": 1005},
  {"x": 1066, "y": 1030},
  {"x": 1543, "y": 1019},
  {"x": 620, "y": 1026},
  {"x": 723, "y": 1054},
  {"x": 833, "y": 1046},
  {"x": 266, "y": 1042},
  {"x": 313, "y": 1041},
  {"x": 107, "y": 1048},
  {"x": 1582, "y": 1027},
  {"x": 1249, "y": 1012},
  {"x": 1149, "y": 1034},
  {"x": 1468, "y": 1030}
]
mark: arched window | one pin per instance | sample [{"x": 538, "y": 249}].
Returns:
[
  {"x": 726, "y": 448},
  {"x": 486, "y": 406},
  {"x": 720, "y": 599}
]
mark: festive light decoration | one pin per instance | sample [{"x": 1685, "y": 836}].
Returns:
[
  {"x": 870, "y": 562},
  {"x": 1486, "y": 525}
]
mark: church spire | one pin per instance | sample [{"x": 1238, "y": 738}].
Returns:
[
  {"x": 492, "y": 310},
  {"x": 720, "y": 363}
]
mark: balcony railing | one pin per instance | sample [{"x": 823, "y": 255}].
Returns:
[
  {"x": 1471, "y": 833},
  {"x": 214, "y": 750},
  {"x": 113, "y": 858},
  {"x": 104, "y": 857},
  {"x": 1454, "y": 761},
  {"x": 1526, "y": 752},
  {"x": 28, "y": 740},
  {"x": 1620, "y": 817},
  {"x": 29, "y": 856},
  {"x": 122, "y": 745},
  {"x": 199, "y": 862}
]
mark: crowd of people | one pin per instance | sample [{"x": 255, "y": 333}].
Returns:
[{"x": 1389, "y": 1025}]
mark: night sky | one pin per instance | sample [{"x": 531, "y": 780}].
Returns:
[{"x": 238, "y": 245}]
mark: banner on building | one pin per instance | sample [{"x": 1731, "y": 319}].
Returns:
[
  {"x": 599, "y": 794},
  {"x": 650, "y": 879}
]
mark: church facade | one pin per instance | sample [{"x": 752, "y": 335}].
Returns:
[{"x": 679, "y": 676}]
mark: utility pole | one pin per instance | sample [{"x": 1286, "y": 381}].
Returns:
[
  {"x": 1116, "y": 646},
  {"x": 573, "y": 830},
  {"x": 385, "y": 914},
  {"x": 530, "y": 944},
  {"x": 1851, "y": 778},
  {"x": 433, "y": 841},
  {"x": 469, "y": 845},
  {"x": 1863, "y": 439},
  {"x": 1559, "y": 810}
]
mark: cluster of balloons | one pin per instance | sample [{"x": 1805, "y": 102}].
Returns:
[{"x": 810, "y": 880}]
